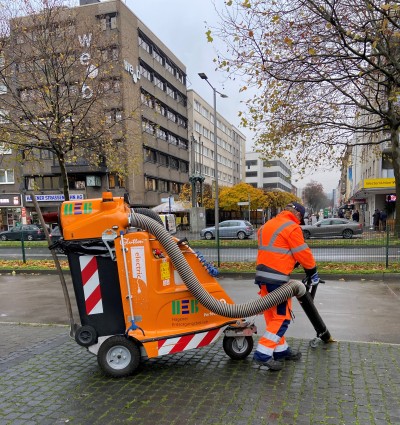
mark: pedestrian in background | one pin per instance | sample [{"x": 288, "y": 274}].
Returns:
[
  {"x": 356, "y": 216},
  {"x": 375, "y": 219},
  {"x": 382, "y": 219},
  {"x": 280, "y": 246}
]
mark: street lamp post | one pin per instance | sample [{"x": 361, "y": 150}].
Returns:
[{"x": 215, "y": 91}]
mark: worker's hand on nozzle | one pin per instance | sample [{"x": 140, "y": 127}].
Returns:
[{"x": 312, "y": 280}]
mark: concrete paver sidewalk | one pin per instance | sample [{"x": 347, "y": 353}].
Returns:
[
  {"x": 54, "y": 381},
  {"x": 46, "y": 378}
]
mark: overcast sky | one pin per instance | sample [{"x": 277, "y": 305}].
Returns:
[{"x": 181, "y": 25}]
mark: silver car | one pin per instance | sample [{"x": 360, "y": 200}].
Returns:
[
  {"x": 332, "y": 227},
  {"x": 239, "y": 229}
]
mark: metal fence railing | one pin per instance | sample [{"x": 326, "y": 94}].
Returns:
[{"x": 377, "y": 247}]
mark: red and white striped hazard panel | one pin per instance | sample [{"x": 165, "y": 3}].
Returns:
[
  {"x": 91, "y": 284},
  {"x": 187, "y": 342}
]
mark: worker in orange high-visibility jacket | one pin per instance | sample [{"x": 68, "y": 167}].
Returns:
[{"x": 280, "y": 246}]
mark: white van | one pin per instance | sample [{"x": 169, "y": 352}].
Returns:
[{"x": 169, "y": 222}]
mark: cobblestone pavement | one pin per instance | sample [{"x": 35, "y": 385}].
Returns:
[{"x": 46, "y": 378}]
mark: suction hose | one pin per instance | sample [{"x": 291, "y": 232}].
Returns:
[{"x": 251, "y": 308}]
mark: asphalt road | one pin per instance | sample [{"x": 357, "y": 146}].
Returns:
[
  {"x": 364, "y": 311},
  {"x": 342, "y": 254}
]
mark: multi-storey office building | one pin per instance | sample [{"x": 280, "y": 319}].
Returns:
[
  {"x": 369, "y": 180},
  {"x": 272, "y": 175},
  {"x": 231, "y": 144},
  {"x": 149, "y": 82}
]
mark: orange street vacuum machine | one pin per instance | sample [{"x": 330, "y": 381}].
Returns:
[{"x": 142, "y": 293}]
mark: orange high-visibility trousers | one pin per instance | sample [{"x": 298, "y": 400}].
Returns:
[{"x": 273, "y": 343}]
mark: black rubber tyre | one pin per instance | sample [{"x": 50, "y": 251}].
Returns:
[
  {"x": 238, "y": 348},
  {"x": 86, "y": 336},
  {"x": 306, "y": 234},
  {"x": 3, "y": 237},
  {"x": 208, "y": 235},
  {"x": 29, "y": 237},
  {"x": 347, "y": 234},
  {"x": 118, "y": 356},
  {"x": 241, "y": 235}
]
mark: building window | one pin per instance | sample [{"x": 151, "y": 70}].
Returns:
[
  {"x": 197, "y": 127},
  {"x": 148, "y": 127},
  {"x": 108, "y": 21},
  {"x": 171, "y": 116},
  {"x": 162, "y": 186},
  {"x": 6, "y": 176},
  {"x": 174, "y": 163},
  {"x": 113, "y": 116},
  {"x": 163, "y": 159},
  {"x": 183, "y": 166},
  {"x": 251, "y": 174},
  {"x": 111, "y": 181},
  {"x": 175, "y": 187},
  {"x": 158, "y": 82},
  {"x": 146, "y": 73},
  {"x": 150, "y": 155},
  {"x": 161, "y": 133},
  {"x": 251, "y": 163},
  {"x": 158, "y": 57},
  {"x": 173, "y": 139},
  {"x": 111, "y": 86},
  {"x": 145, "y": 45},
  {"x": 150, "y": 184}
]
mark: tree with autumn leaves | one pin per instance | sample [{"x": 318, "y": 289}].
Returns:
[
  {"x": 242, "y": 192},
  {"x": 59, "y": 87},
  {"x": 206, "y": 201},
  {"x": 322, "y": 77}
]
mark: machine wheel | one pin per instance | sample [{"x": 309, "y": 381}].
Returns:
[
  {"x": 347, "y": 234},
  {"x": 118, "y": 356},
  {"x": 29, "y": 237},
  {"x": 306, "y": 234},
  {"x": 208, "y": 235},
  {"x": 238, "y": 348},
  {"x": 86, "y": 336},
  {"x": 241, "y": 235},
  {"x": 3, "y": 237}
]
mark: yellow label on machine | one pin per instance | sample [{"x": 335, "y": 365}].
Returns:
[{"x": 164, "y": 270}]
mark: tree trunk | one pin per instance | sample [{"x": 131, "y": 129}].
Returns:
[
  {"x": 64, "y": 176},
  {"x": 396, "y": 169}
]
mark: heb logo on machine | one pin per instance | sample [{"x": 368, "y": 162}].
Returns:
[
  {"x": 138, "y": 263},
  {"x": 185, "y": 307},
  {"x": 78, "y": 208}
]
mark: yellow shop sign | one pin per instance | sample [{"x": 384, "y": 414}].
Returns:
[{"x": 383, "y": 182}]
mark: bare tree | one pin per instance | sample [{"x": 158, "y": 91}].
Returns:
[
  {"x": 314, "y": 196},
  {"x": 324, "y": 75},
  {"x": 59, "y": 86}
]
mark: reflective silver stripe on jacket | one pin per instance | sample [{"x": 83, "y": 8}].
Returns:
[
  {"x": 272, "y": 276},
  {"x": 271, "y": 248}
]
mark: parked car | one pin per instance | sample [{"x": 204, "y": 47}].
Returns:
[
  {"x": 31, "y": 232},
  {"x": 55, "y": 234},
  {"x": 239, "y": 229},
  {"x": 332, "y": 227}
]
